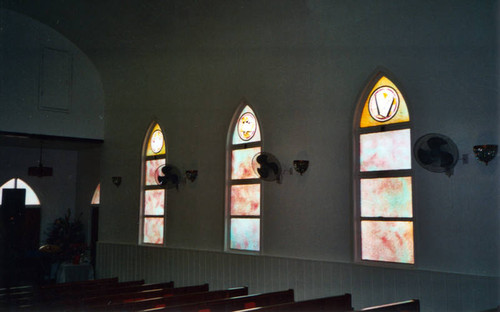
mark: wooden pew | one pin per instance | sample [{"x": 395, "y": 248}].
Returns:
[
  {"x": 79, "y": 284},
  {"x": 140, "y": 294},
  {"x": 403, "y": 306},
  {"x": 109, "y": 292},
  {"x": 16, "y": 297},
  {"x": 333, "y": 303},
  {"x": 62, "y": 294},
  {"x": 48, "y": 290},
  {"x": 73, "y": 297},
  {"x": 160, "y": 302},
  {"x": 235, "y": 303}
]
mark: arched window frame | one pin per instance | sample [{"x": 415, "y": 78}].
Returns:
[
  {"x": 397, "y": 173},
  {"x": 146, "y": 185},
  {"x": 230, "y": 182},
  {"x": 28, "y": 189}
]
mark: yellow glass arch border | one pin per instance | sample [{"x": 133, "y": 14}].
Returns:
[
  {"x": 402, "y": 114},
  {"x": 149, "y": 150}
]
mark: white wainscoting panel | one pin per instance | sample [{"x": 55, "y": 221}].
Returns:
[{"x": 368, "y": 285}]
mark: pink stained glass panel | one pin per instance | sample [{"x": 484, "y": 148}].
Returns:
[
  {"x": 153, "y": 230},
  {"x": 245, "y": 200},
  {"x": 390, "y": 241},
  {"x": 389, "y": 150},
  {"x": 154, "y": 202},
  {"x": 386, "y": 197},
  {"x": 241, "y": 164},
  {"x": 245, "y": 234},
  {"x": 151, "y": 166}
]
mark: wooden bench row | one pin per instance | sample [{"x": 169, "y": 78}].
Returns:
[
  {"x": 403, "y": 306},
  {"x": 181, "y": 299},
  {"x": 111, "y": 295}
]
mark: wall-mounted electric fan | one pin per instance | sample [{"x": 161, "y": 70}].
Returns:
[
  {"x": 168, "y": 176},
  {"x": 436, "y": 153},
  {"x": 267, "y": 166}
]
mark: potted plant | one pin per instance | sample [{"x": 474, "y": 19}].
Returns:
[{"x": 68, "y": 236}]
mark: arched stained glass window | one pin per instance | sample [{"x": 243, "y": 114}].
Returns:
[
  {"x": 96, "y": 198},
  {"x": 383, "y": 184},
  {"x": 16, "y": 183},
  {"x": 153, "y": 195},
  {"x": 243, "y": 188}
]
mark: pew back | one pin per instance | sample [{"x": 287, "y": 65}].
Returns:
[
  {"x": 403, "y": 306},
  {"x": 236, "y": 303},
  {"x": 148, "y": 291},
  {"x": 333, "y": 303},
  {"x": 160, "y": 302}
]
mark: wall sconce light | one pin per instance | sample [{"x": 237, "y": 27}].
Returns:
[
  {"x": 191, "y": 175},
  {"x": 117, "y": 181},
  {"x": 300, "y": 166},
  {"x": 485, "y": 153}
]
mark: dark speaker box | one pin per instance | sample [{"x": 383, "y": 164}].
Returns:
[{"x": 13, "y": 202}]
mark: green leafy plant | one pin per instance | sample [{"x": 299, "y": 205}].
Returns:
[{"x": 68, "y": 235}]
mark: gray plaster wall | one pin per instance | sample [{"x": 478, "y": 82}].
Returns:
[{"x": 302, "y": 65}]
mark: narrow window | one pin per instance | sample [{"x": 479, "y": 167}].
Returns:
[
  {"x": 383, "y": 183},
  {"x": 96, "y": 198},
  {"x": 94, "y": 223},
  {"x": 243, "y": 187},
  {"x": 153, "y": 195}
]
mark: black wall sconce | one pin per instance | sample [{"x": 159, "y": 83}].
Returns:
[
  {"x": 191, "y": 175},
  {"x": 485, "y": 153},
  {"x": 300, "y": 166},
  {"x": 117, "y": 181}
]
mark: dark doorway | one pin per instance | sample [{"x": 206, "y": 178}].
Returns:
[
  {"x": 20, "y": 239},
  {"x": 94, "y": 232}
]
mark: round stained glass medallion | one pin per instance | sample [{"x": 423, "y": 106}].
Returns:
[
  {"x": 247, "y": 126},
  {"x": 156, "y": 141},
  {"x": 383, "y": 104}
]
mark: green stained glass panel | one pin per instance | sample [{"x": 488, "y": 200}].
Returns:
[
  {"x": 390, "y": 150},
  {"x": 245, "y": 234},
  {"x": 241, "y": 165}
]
